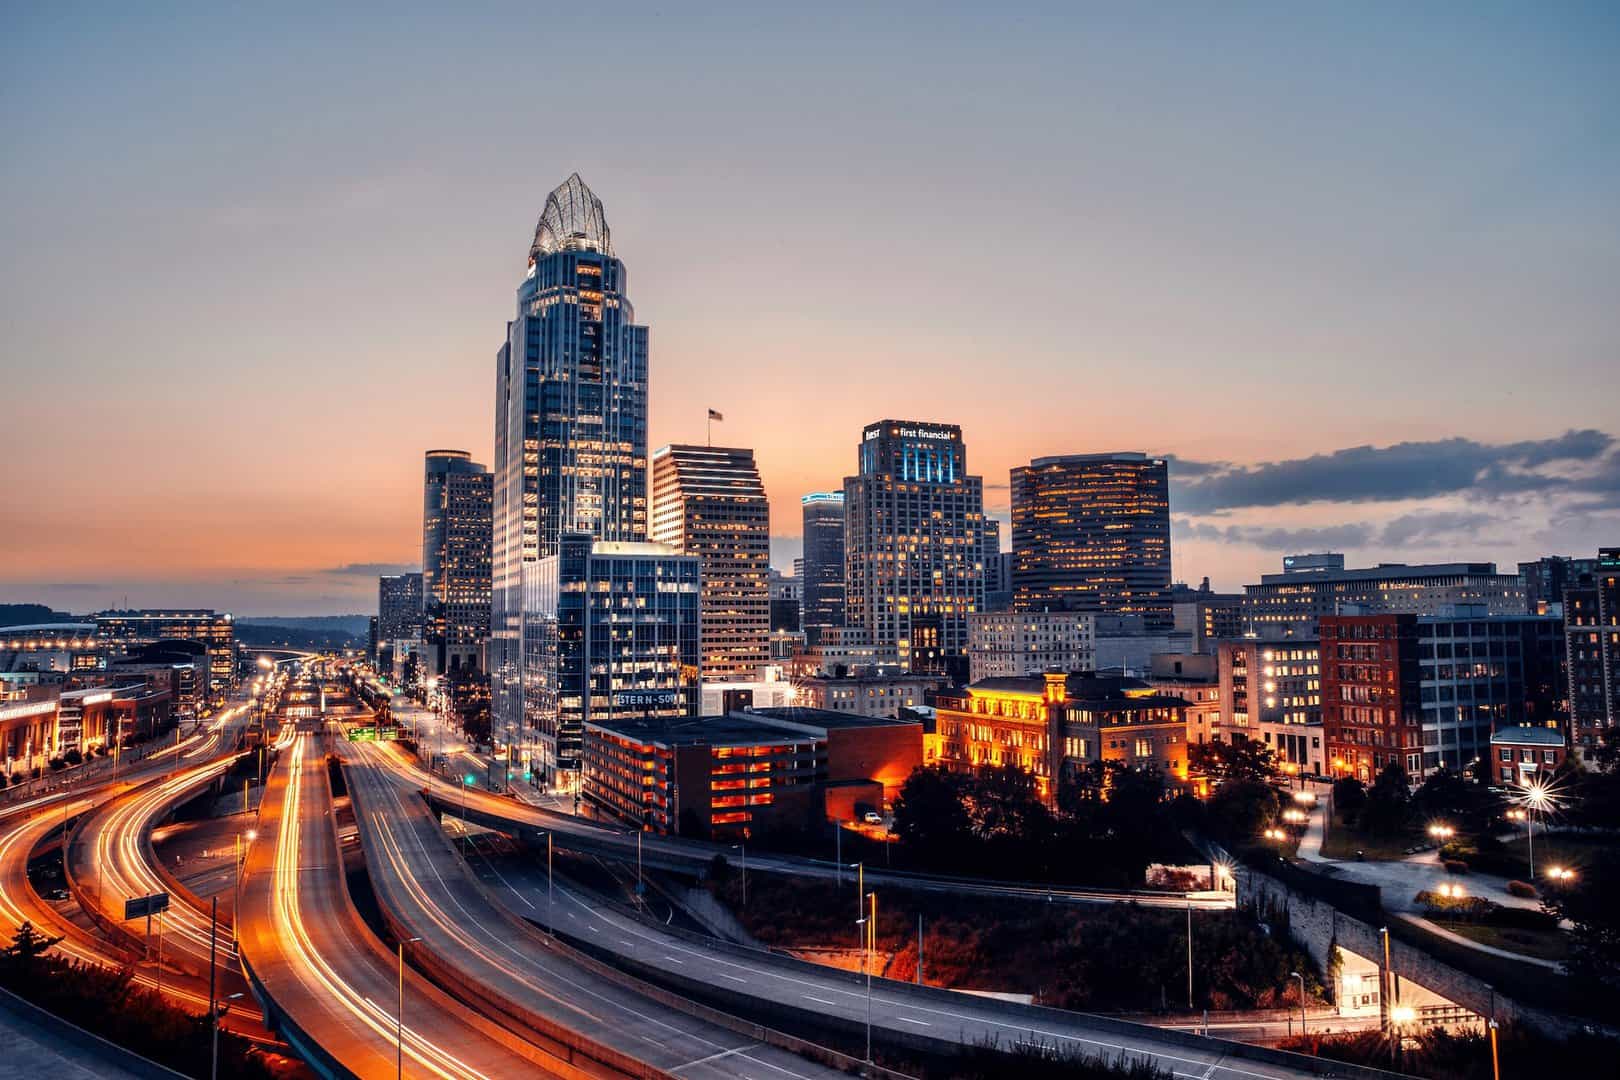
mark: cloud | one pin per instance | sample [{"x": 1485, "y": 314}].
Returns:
[
  {"x": 1428, "y": 526},
  {"x": 1420, "y": 528},
  {"x": 1335, "y": 537},
  {"x": 1409, "y": 470},
  {"x": 75, "y": 586},
  {"x": 369, "y": 569}
]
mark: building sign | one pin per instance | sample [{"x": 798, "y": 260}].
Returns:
[{"x": 647, "y": 699}]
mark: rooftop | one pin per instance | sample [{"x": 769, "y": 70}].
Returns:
[
  {"x": 1525, "y": 735},
  {"x": 573, "y": 218}
]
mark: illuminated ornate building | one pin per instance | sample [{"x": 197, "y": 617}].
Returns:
[
  {"x": 914, "y": 543},
  {"x": 1091, "y": 532},
  {"x": 709, "y": 501},
  {"x": 1054, "y": 725},
  {"x": 570, "y": 429},
  {"x": 456, "y": 524}
]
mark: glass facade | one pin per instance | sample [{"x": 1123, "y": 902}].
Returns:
[
  {"x": 456, "y": 525},
  {"x": 823, "y": 585}
]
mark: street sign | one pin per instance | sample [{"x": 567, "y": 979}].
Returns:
[
  {"x": 389, "y": 734},
  {"x": 363, "y": 734},
  {"x": 138, "y": 907}
]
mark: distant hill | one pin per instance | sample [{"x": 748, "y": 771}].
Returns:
[
  {"x": 296, "y": 637},
  {"x": 343, "y": 624},
  {"x": 26, "y": 614}
]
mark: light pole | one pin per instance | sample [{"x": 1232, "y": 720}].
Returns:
[
  {"x": 1301, "y": 978},
  {"x": 740, "y": 847},
  {"x": 236, "y": 905},
  {"x": 1189, "y": 956},
  {"x": 551, "y": 920},
  {"x": 399, "y": 1017},
  {"x": 867, "y": 927}
]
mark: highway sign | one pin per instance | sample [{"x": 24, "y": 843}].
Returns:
[
  {"x": 137, "y": 907},
  {"x": 362, "y": 734}
]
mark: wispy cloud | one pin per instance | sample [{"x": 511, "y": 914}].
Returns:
[{"x": 369, "y": 569}]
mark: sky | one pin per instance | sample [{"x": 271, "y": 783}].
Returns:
[{"x": 1355, "y": 270}]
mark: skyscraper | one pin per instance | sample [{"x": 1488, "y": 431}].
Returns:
[
  {"x": 1592, "y": 631},
  {"x": 709, "y": 501},
  {"x": 457, "y": 512},
  {"x": 570, "y": 508},
  {"x": 1091, "y": 532},
  {"x": 399, "y": 609},
  {"x": 823, "y": 575},
  {"x": 914, "y": 543}
]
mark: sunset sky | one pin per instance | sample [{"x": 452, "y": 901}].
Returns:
[{"x": 1356, "y": 272}]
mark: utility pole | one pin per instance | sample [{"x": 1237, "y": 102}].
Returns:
[
  {"x": 213, "y": 1004},
  {"x": 1189, "y": 956}
]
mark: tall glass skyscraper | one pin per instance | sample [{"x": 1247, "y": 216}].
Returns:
[
  {"x": 1091, "y": 532},
  {"x": 822, "y": 588},
  {"x": 571, "y": 461},
  {"x": 456, "y": 524},
  {"x": 914, "y": 543}
]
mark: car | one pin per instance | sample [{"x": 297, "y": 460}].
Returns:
[{"x": 872, "y": 817}]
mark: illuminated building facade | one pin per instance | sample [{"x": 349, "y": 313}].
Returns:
[
  {"x": 570, "y": 427},
  {"x": 215, "y": 630},
  {"x": 1289, "y": 603},
  {"x": 914, "y": 543},
  {"x": 1271, "y": 692},
  {"x": 610, "y": 631},
  {"x": 399, "y": 615},
  {"x": 869, "y": 695},
  {"x": 1592, "y": 633},
  {"x": 823, "y": 574},
  {"x": 1370, "y": 715},
  {"x": 457, "y": 508},
  {"x": 745, "y": 773},
  {"x": 1195, "y": 679},
  {"x": 708, "y": 501},
  {"x": 1003, "y": 644},
  {"x": 1091, "y": 532},
  {"x": 1054, "y": 725}
]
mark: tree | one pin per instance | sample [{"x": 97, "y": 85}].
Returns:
[
  {"x": 1389, "y": 804},
  {"x": 931, "y": 816},
  {"x": 1589, "y": 903},
  {"x": 1241, "y": 810},
  {"x": 21, "y": 959},
  {"x": 1349, "y": 796},
  {"x": 1465, "y": 804},
  {"x": 1240, "y": 759}
]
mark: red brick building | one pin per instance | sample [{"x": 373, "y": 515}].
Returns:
[
  {"x": 1524, "y": 753},
  {"x": 1370, "y": 712}
]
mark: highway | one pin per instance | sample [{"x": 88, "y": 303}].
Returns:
[
  {"x": 512, "y": 815},
  {"x": 418, "y": 876},
  {"x": 896, "y": 1007},
  {"x": 328, "y": 980}
]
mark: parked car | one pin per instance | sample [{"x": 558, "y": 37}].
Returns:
[{"x": 872, "y": 817}]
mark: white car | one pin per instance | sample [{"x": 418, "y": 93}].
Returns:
[{"x": 872, "y": 817}]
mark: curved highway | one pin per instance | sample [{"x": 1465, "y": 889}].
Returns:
[
  {"x": 323, "y": 974},
  {"x": 419, "y": 878}
]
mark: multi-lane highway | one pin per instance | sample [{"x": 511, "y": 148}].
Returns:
[
  {"x": 332, "y": 986},
  {"x": 512, "y": 969}
]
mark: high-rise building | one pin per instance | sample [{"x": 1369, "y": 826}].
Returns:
[
  {"x": 709, "y": 501},
  {"x": 1010, "y": 644},
  {"x": 570, "y": 428},
  {"x": 1271, "y": 693},
  {"x": 215, "y": 630},
  {"x": 399, "y": 612},
  {"x": 1091, "y": 532},
  {"x": 1289, "y": 604},
  {"x": 611, "y": 633},
  {"x": 914, "y": 543},
  {"x": 787, "y": 598},
  {"x": 1546, "y": 579},
  {"x": 822, "y": 592},
  {"x": 1210, "y": 617},
  {"x": 457, "y": 506},
  {"x": 1592, "y": 633}
]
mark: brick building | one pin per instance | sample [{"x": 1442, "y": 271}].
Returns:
[{"x": 1370, "y": 695}]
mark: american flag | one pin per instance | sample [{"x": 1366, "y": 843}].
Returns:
[{"x": 714, "y": 415}]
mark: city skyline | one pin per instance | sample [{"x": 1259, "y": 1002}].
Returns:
[{"x": 1459, "y": 306}]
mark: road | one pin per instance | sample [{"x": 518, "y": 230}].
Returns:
[
  {"x": 418, "y": 876},
  {"x": 897, "y": 1007},
  {"x": 670, "y": 853},
  {"x": 322, "y": 969}
]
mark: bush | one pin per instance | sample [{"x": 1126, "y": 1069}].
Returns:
[
  {"x": 18, "y": 778},
  {"x": 1456, "y": 866},
  {"x": 1464, "y": 908},
  {"x": 1522, "y": 889},
  {"x": 1518, "y": 918},
  {"x": 58, "y": 764},
  {"x": 74, "y": 757}
]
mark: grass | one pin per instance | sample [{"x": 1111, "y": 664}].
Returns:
[
  {"x": 1541, "y": 944},
  {"x": 1343, "y": 841}
]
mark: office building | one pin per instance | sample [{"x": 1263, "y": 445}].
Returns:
[
  {"x": 1008, "y": 644},
  {"x": 1370, "y": 715},
  {"x": 746, "y": 773},
  {"x": 1546, "y": 579},
  {"x": 843, "y": 650},
  {"x": 708, "y": 501},
  {"x": 914, "y": 543},
  {"x": 1054, "y": 725},
  {"x": 869, "y": 694},
  {"x": 1208, "y": 616},
  {"x": 457, "y": 522},
  {"x": 399, "y": 610},
  {"x": 1288, "y": 604},
  {"x": 1592, "y": 633},
  {"x": 1195, "y": 679},
  {"x": 215, "y": 630},
  {"x": 787, "y": 601},
  {"x": 1091, "y": 532},
  {"x": 1271, "y": 692},
  {"x": 570, "y": 433},
  {"x": 610, "y": 630},
  {"x": 823, "y": 561}
]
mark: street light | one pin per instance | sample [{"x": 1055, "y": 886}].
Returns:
[
  {"x": 399, "y": 1017},
  {"x": 1301, "y": 978},
  {"x": 236, "y": 907},
  {"x": 1442, "y": 832},
  {"x": 740, "y": 847},
  {"x": 867, "y": 926},
  {"x": 1561, "y": 873}
]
